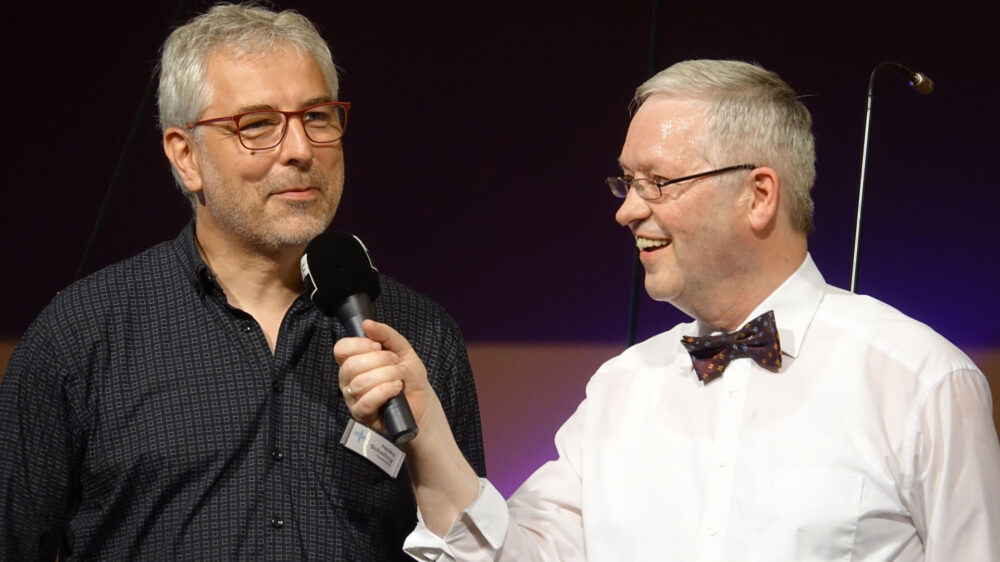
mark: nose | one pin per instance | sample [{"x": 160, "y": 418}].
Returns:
[
  {"x": 632, "y": 210},
  {"x": 296, "y": 148}
]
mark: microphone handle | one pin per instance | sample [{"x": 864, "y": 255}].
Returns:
[{"x": 396, "y": 415}]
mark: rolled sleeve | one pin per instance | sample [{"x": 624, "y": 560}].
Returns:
[{"x": 477, "y": 534}]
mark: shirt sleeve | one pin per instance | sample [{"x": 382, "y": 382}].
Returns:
[
  {"x": 461, "y": 401},
  {"x": 39, "y": 446},
  {"x": 477, "y": 533},
  {"x": 956, "y": 489},
  {"x": 542, "y": 520},
  {"x": 438, "y": 341}
]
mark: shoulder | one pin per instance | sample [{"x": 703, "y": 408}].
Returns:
[
  {"x": 109, "y": 289},
  {"x": 425, "y": 323},
  {"x": 407, "y": 309},
  {"x": 877, "y": 330},
  {"x": 88, "y": 311},
  {"x": 75, "y": 333}
]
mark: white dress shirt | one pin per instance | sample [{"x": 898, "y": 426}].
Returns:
[{"x": 875, "y": 441}]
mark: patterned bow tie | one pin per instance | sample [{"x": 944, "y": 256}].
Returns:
[{"x": 758, "y": 340}]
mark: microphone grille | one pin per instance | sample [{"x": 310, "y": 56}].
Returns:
[{"x": 335, "y": 266}]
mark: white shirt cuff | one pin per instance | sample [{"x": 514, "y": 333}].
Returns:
[{"x": 479, "y": 530}]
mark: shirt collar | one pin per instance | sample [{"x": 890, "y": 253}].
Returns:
[
  {"x": 794, "y": 304},
  {"x": 200, "y": 276}
]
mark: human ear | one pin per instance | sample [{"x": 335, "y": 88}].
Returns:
[
  {"x": 765, "y": 197},
  {"x": 180, "y": 150}
]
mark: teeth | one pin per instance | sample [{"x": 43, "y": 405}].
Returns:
[{"x": 646, "y": 243}]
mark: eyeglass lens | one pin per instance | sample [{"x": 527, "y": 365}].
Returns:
[{"x": 265, "y": 129}]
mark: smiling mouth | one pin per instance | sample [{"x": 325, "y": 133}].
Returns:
[{"x": 650, "y": 244}]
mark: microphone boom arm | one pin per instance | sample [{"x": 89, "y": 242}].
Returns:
[{"x": 922, "y": 84}]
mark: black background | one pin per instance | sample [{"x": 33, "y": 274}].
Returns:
[{"x": 481, "y": 133}]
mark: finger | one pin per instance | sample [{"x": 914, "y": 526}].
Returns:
[
  {"x": 364, "y": 364},
  {"x": 366, "y": 407},
  {"x": 356, "y": 385},
  {"x": 349, "y": 347},
  {"x": 387, "y": 336}
]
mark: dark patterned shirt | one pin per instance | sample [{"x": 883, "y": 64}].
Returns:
[{"x": 143, "y": 418}]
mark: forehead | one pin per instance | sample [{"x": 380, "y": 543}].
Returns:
[
  {"x": 665, "y": 133},
  {"x": 282, "y": 77}
]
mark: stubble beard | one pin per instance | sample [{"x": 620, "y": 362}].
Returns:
[{"x": 277, "y": 225}]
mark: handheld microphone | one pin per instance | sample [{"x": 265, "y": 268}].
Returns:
[{"x": 342, "y": 282}]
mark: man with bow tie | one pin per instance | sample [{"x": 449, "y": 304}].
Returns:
[{"x": 790, "y": 421}]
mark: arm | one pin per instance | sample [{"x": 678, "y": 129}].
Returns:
[
  {"x": 374, "y": 370},
  {"x": 39, "y": 444},
  {"x": 463, "y": 517},
  {"x": 956, "y": 488}
]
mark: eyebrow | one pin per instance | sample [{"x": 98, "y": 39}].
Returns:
[{"x": 265, "y": 106}]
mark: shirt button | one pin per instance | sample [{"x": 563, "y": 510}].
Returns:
[
  {"x": 734, "y": 393},
  {"x": 712, "y": 531},
  {"x": 277, "y": 522},
  {"x": 723, "y": 463},
  {"x": 277, "y": 454},
  {"x": 279, "y": 386}
]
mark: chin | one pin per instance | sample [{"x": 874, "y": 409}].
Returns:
[
  {"x": 661, "y": 294},
  {"x": 295, "y": 233},
  {"x": 662, "y": 285}
]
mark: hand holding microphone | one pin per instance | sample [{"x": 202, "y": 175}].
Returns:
[
  {"x": 342, "y": 282},
  {"x": 373, "y": 370}
]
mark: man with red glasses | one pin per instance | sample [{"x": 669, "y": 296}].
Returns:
[
  {"x": 790, "y": 421},
  {"x": 183, "y": 404}
]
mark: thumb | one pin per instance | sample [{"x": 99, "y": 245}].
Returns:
[{"x": 388, "y": 337}]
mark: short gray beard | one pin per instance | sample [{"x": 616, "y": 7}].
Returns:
[{"x": 236, "y": 219}]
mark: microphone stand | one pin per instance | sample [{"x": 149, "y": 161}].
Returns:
[
  {"x": 637, "y": 272},
  {"x": 918, "y": 82}
]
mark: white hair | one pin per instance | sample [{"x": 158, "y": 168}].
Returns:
[{"x": 752, "y": 117}]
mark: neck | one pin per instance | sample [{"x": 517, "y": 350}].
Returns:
[
  {"x": 744, "y": 291},
  {"x": 261, "y": 283}
]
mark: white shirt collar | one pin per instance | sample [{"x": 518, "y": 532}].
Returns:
[{"x": 794, "y": 304}]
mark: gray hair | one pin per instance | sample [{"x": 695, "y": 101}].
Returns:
[
  {"x": 752, "y": 116},
  {"x": 244, "y": 28}
]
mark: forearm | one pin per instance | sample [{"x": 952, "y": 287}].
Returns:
[{"x": 443, "y": 481}]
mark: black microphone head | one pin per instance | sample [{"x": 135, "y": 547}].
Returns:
[{"x": 336, "y": 265}]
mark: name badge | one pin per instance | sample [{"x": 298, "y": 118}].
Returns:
[{"x": 373, "y": 446}]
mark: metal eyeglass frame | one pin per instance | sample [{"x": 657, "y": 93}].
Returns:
[{"x": 620, "y": 185}]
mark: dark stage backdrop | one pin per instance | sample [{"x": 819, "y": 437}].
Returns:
[{"x": 481, "y": 133}]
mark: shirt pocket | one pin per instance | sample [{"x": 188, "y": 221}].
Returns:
[{"x": 807, "y": 514}]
